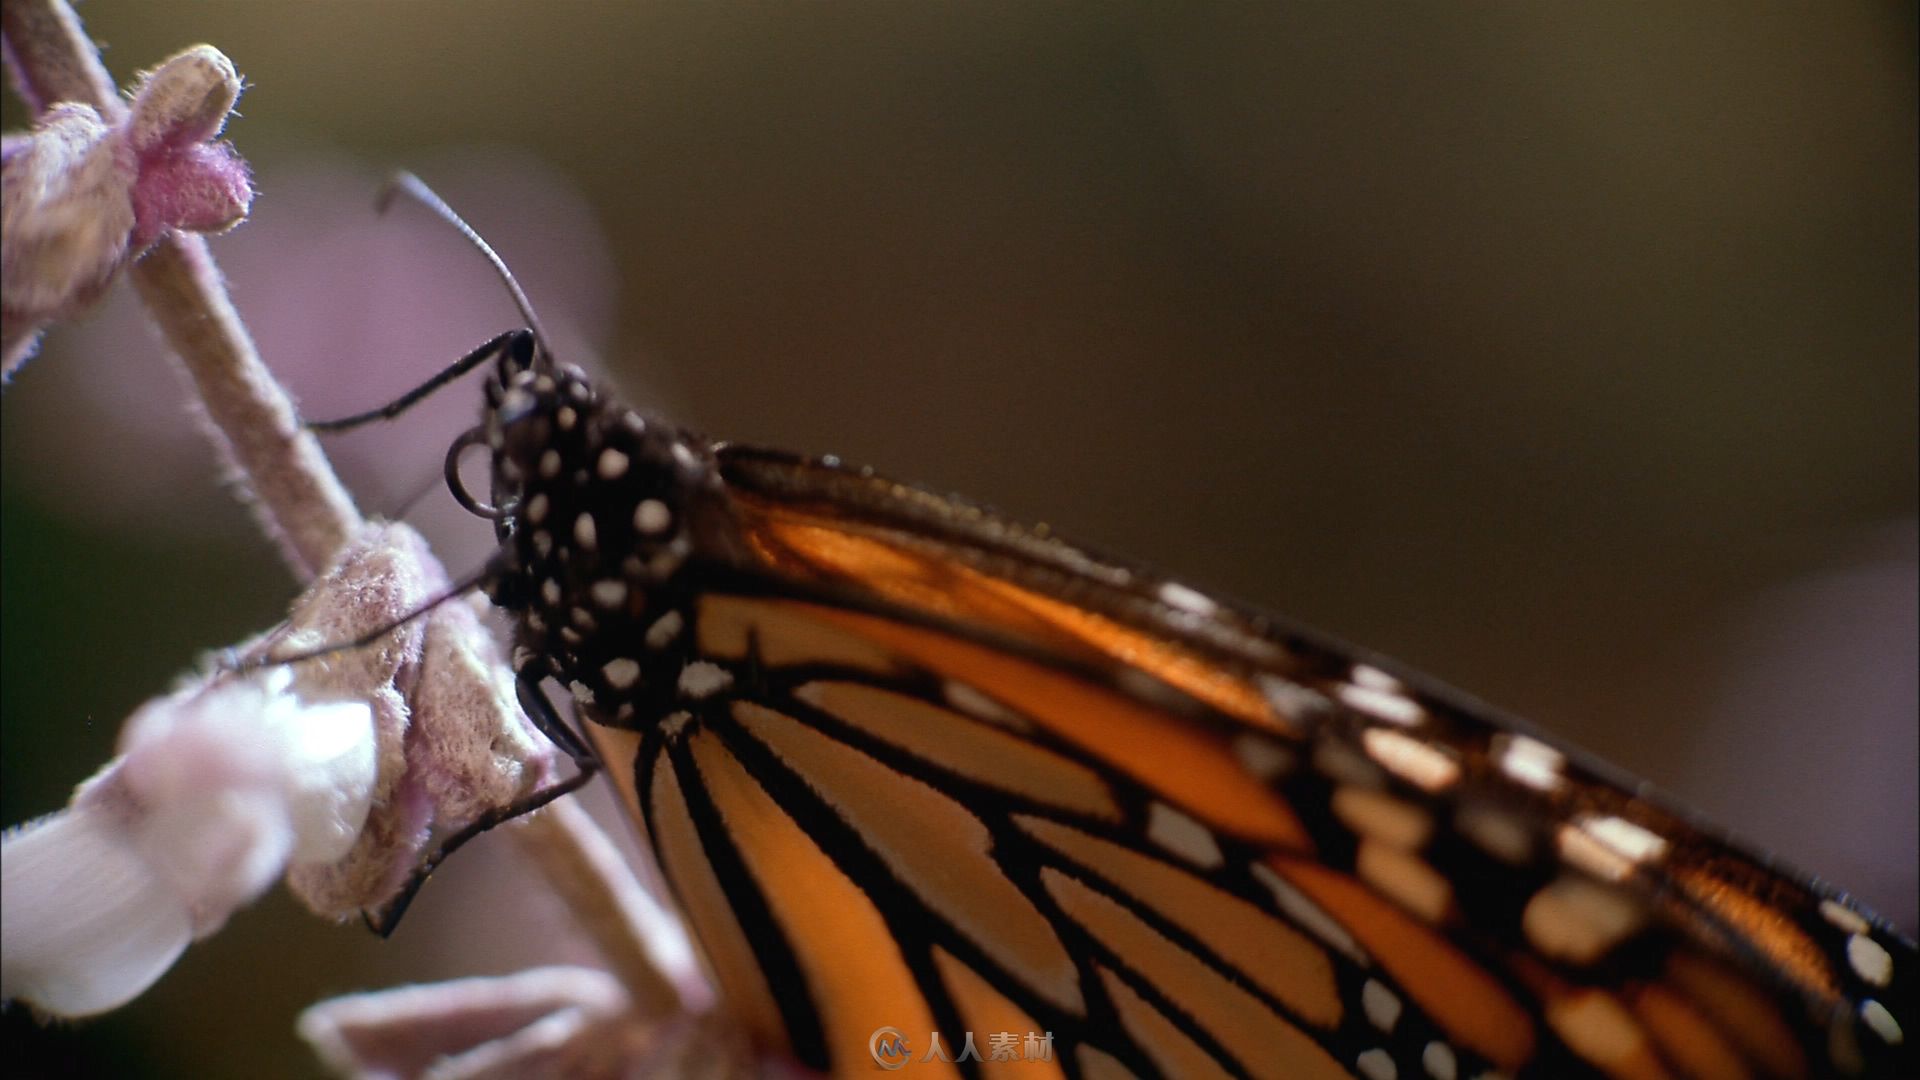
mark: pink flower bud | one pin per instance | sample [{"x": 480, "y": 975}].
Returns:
[{"x": 81, "y": 197}]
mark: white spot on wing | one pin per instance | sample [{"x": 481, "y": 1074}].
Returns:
[
  {"x": 1608, "y": 847},
  {"x": 1439, "y": 1061},
  {"x": 582, "y": 693},
  {"x": 981, "y": 707},
  {"x": 1393, "y": 706},
  {"x": 1374, "y": 679},
  {"x": 1380, "y": 1004},
  {"x": 1183, "y": 836},
  {"x": 1186, "y": 599},
  {"x": 1578, "y": 921},
  {"x": 1421, "y": 764},
  {"x": 1881, "y": 1022},
  {"x": 1843, "y": 916},
  {"x": 1376, "y": 1064},
  {"x": 1296, "y": 704},
  {"x": 1307, "y": 914},
  {"x": 1496, "y": 832},
  {"x": 1529, "y": 761},
  {"x": 584, "y": 532},
  {"x": 537, "y": 507},
  {"x": 701, "y": 679},
  {"x": 550, "y": 464}
]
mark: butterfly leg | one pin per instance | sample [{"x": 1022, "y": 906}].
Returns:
[{"x": 547, "y": 719}]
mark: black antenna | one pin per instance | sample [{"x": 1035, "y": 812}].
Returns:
[
  {"x": 417, "y": 189},
  {"x": 424, "y": 195}
]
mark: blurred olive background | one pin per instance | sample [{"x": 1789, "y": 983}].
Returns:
[{"x": 1566, "y": 354}]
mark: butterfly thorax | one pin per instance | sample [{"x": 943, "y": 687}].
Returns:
[{"x": 595, "y": 526}]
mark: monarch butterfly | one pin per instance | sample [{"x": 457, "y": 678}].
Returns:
[{"x": 913, "y": 768}]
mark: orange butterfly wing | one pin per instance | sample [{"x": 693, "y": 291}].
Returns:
[{"x": 958, "y": 776}]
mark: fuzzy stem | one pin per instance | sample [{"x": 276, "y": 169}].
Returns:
[
  {"x": 52, "y": 59},
  {"x": 299, "y": 500},
  {"x": 589, "y": 873}
]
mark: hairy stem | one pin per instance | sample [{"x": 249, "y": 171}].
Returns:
[{"x": 298, "y": 500}]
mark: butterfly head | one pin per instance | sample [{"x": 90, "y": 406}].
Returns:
[{"x": 594, "y": 506}]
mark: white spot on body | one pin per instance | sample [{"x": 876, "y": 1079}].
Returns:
[
  {"x": 1376, "y": 1064},
  {"x": 583, "y": 619},
  {"x": 1381, "y": 1005},
  {"x": 571, "y": 636},
  {"x": 543, "y": 543},
  {"x": 537, "y": 508},
  {"x": 621, "y": 673},
  {"x": 1421, "y": 764},
  {"x": 612, "y": 464},
  {"x": 1439, "y": 1061},
  {"x": 1870, "y": 960},
  {"x": 523, "y": 657},
  {"x": 701, "y": 679},
  {"x": 652, "y": 517},
  {"x": 566, "y": 417},
  {"x": 550, "y": 464},
  {"x": 582, "y": 693},
  {"x": 664, "y": 630},
  {"x": 584, "y": 532},
  {"x": 609, "y": 593},
  {"x": 1183, "y": 836},
  {"x": 550, "y": 592}
]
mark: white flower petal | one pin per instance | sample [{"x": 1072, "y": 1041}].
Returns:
[
  {"x": 89, "y": 923},
  {"x": 329, "y": 785}
]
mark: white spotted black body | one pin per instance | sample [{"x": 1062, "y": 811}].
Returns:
[{"x": 595, "y": 529}]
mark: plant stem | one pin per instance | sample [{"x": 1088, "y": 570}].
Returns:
[{"x": 299, "y": 501}]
